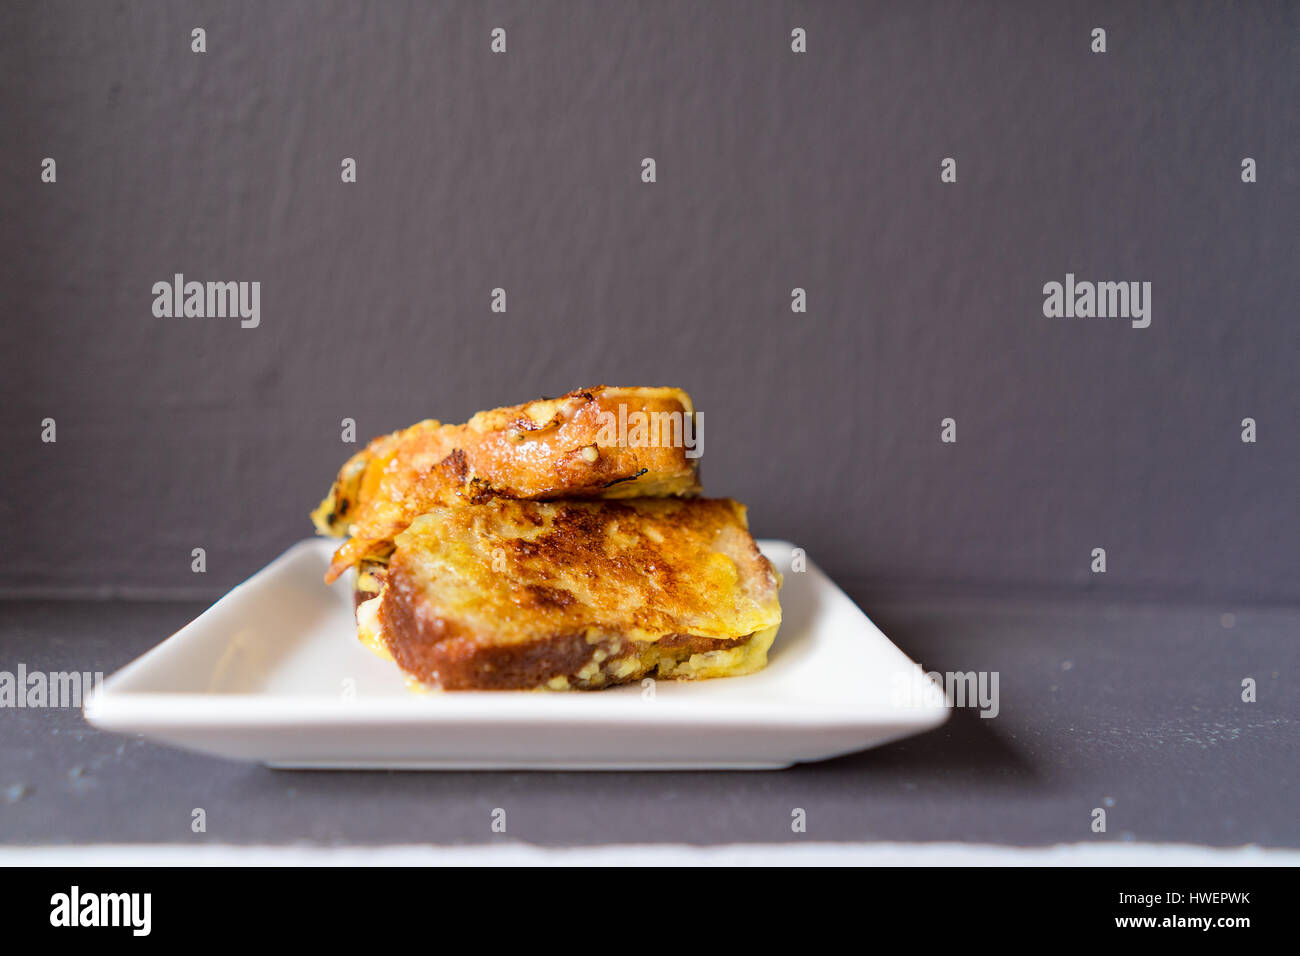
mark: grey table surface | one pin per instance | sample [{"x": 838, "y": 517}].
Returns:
[{"x": 1133, "y": 707}]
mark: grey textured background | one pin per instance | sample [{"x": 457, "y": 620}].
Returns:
[
  {"x": 775, "y": 170},
  {"x": 1131, "y": 707}
]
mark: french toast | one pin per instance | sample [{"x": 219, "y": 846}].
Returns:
[
  {"x": 520, "y": 594},
  {"x": 598, "y": 442}
]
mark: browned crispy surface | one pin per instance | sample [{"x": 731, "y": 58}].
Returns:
[
  {"x": 553, "y": 448},
  {"x": 522, "y": 594}
]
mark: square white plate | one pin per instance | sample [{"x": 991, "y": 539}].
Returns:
[{"x": 274, "y": 672}]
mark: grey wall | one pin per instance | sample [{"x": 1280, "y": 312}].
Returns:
[{"x": 775, "y": 170}]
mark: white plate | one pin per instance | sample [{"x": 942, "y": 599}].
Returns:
[{"x": 274, "y": 672}]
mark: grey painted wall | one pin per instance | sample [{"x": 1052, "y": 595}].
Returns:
[{"x": 775, "y": 170}]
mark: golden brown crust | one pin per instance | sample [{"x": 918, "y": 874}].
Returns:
[
  {"x": 521, "y": 594},
  {"x": 548, "y": 449}
]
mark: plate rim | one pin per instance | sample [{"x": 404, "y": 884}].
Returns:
[{"x": 112, "y": 708}]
